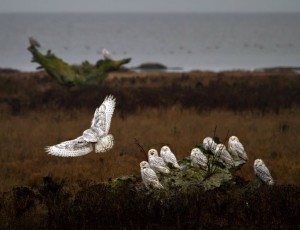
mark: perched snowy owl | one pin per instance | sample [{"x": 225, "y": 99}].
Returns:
[
  {"x": 262, "y": 172},
  {"x": 149, "y": 177},
  {"x": 168, "y": 156},
  {"x": 156, "y": 162},
  {"x": 106, "y": 54},
  {"x": 236, "y": 148},
  {"x": 209, "y": 144},
  {"x": 97, "y": 134},
  {"x": 198, "y": 159},
  {"x": 33, "y": 42},
  {"x": 224, "y": 155}
]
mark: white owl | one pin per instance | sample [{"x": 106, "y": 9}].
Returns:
[
  {"x": 262, "y": 172},
  {"x": 149, "y": 177},
  {"x": 168, "y": 156},
  {"x": 223, "y": 154},
  {"x": 209, "y": 144},
  {"x": 198, "y": 159},
  {"x": 156, "y": 162},
  {"x": 106, "y": 54},
  {"x": 236, "y": 148},
  {"x": 97, "y": 134}
]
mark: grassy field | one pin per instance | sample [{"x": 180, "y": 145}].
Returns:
[
  {"x": 272, "y": 137},
  {"x": 153, "y": 109}
]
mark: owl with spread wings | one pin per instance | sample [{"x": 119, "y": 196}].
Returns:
[{"x": 96, "y": 135}]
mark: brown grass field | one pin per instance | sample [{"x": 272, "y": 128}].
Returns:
[
  {"x": 177, "y": 109},
  {"x": 274, "y": 138}
]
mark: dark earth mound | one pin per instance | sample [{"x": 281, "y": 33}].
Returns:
[{"x": 126, "y": 204}]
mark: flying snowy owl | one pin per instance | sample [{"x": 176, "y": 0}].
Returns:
[
  {"x": 106, "y": 54},
  {"x": 209, "y": 144},
  {"x": 198, "y": 159},
  {"x": 224, "y": 155},
  {"x": 97, "y": 134},
  {"x": 168, "y": 156},
  {"x": 236, "y": 148},
  {"x": 149, "y": 177},
  {"x": 156, "y": 162},
  {"x": 262, "y": 172}
]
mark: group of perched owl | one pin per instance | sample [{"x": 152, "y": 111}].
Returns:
[
  {"x": 236, "y": 152},
  {"x": 98, "y": 135}
]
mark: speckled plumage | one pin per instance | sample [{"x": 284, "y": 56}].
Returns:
[
  {"x": 149, "y": 176},
  {"x": 198, "y": 159},
  {"x": 236, "y": 148},
  {"x": 224, "y": 155},
  {"x": 262, "y": 172},
  {"x": 168, "y": 156},
  {"x": 209, "y": 144},
  {"x": 156, "y": 162}
]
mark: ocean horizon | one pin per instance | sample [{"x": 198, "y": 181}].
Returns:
[{"x": 188, "y": 41}]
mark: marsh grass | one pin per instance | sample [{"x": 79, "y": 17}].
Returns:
[
  {"x": 23, "y": 161},
  {"x": 41, "y": 191}
]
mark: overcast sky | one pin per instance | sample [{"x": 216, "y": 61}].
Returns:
[{"x": 149, "y": 6}]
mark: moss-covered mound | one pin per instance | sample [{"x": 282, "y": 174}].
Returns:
[{"x": 85, "y": 74}]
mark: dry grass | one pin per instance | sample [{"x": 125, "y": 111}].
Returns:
[{"x": 272, "y": 137}]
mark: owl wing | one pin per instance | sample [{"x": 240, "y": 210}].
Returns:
[
  {"x": 104, "y": 144},
  {"x": 150, "y": 175},
  {"x": 102, "y": 116},
  {"x": 159, "y": 161},
  {"x": 170, "y": 157},
  {"x": 73, "y": 148},
  {"x": 201, "y": 159},
  {"x": 238, "y": 147}
]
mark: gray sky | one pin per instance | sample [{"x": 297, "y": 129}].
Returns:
[{"x": 149, "y": 6}]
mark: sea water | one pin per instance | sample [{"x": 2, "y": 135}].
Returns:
[{"x": 189, "y": 41}]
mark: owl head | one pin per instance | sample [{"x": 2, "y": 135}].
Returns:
[
  {"x": 152, "y": 152},
  {"x": 258, "y": 162},
  {"x": 195, "y": 151},
  {"x": 144, "y": 164},
  {"x": 165, "y": 149},
  {"x": 233, "y": 138},
  {"x": 208, "y": 143}
]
